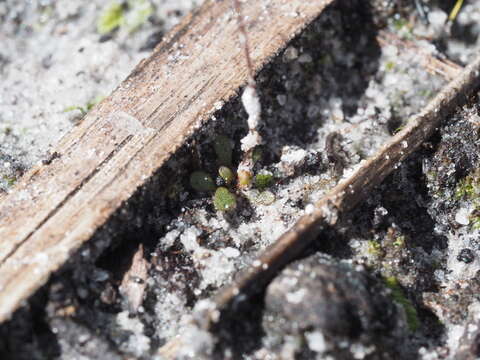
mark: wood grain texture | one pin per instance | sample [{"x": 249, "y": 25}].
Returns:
[{"x": 128, "y": 136}]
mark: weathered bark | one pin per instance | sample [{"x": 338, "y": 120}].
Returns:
[{"x": 126, "y": 138}]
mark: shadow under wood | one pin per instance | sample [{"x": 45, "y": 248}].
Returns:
[
  {"x": 325, "y": 69},
  {"x": 29, "y": 335},
  {"x": 240, "y": 331}
]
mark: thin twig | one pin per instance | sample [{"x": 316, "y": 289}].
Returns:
[
  {"x": 251, "y": 103},
  {"x": 244, "y": 41},
  {"x": 443, "y": 67}
]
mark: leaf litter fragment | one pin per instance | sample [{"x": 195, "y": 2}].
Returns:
[{"x": 134, "y": 281}]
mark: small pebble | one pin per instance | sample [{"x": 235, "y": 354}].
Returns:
[
  {"x": 462, "y": 216},
  {"x": 266, "y": 198},
  {"x": 291, "y": 53},
  {"x": 466, "y": 255}
]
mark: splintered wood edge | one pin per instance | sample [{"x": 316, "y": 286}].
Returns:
[
  {"x": 200, "y": 65},
  {"x": 341, "y": 199}
]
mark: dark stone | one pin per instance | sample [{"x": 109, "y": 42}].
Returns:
[
  {"x": 466, "y": 255},
  {"x": 152, "y": 41},
  {"x": 321, "y": 294}
]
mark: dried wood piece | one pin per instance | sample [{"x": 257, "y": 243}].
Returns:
[
  {"x": 134, "y": 281},
  {"x": 345, "y": 196},
  {"x": 128, "y": 136}
]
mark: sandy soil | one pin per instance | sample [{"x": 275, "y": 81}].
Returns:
[{"x": 403, "y": 266}]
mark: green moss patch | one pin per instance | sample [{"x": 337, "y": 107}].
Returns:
[{"x": 399, "y": 297}]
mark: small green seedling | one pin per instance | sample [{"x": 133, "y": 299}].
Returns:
[
  {"x": 244, "y": 178},
  {"x": 111, "y": 17},
  {"x": 263, "y": 180},
  {"x": 475, "y": 220},
  {"x": 257, "y": 154},
  {"x": 224, "y": 200},
  {"x": 399, "y": 241},
  {"x": 201, "y": 181},
  {"x": 400, "y": 128},
  {"x": 85, "y": 109},
  {"x": 265, "y": 198},
  {"x": 74, "y": 107},
  {"x": 10, "y": 180},
  {"x": 390, "y": 65},
  {"x": 223, "y": 148},
  {"x": 129, "y": 15},
  {"x": 226, "y": 174},
  {"x": 468, "y": 188},
  {"x": 375, "y": 248}
]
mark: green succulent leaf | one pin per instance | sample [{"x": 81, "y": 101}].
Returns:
[
  {"x": 265, "y": 198},
  {"x": 224, "y": 200},
  {"x": 201, "y": 181},
  {"x": 223, "y": 148},
  {"x": 226, "y": 174},
  {"x": 263, "y": 180},
  {"x": 257, "y": 154}
]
